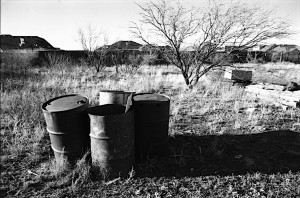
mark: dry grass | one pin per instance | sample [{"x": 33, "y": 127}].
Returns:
[
  {"x": 277, "y": 73},
  {"x": 213, "y": 108}
]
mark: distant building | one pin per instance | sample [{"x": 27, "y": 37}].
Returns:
[
  {"x": 9, "y": 43},
  {"x": 284, "y": 48}
]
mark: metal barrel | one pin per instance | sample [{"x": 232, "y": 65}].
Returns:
[
  {"x": 68, "y": 126},
  {"x": 151, "y": 124},
  {"x": 112, "y": 139},
  {"x": 113, "y": 97}
]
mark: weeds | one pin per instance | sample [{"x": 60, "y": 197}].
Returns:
[
  {"x": 18, "y": 61},
  {"x": 56, "y": 60},
  {"x": 213, "y": 107}
]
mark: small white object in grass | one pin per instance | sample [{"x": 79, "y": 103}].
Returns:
[
  {"x": 250, "y": 110},
  {"x": 30, "y": 172},
  {"x": 238, "y": 156},
  {"x": 112, "y": 181}
]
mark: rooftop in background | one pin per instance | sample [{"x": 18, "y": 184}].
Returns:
[
  {"x": 20, "y": 43},
  {"x": 125, "y": 45},
  {"x": 131, "y": 45}
]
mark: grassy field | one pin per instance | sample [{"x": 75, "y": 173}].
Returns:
[{"x": 223, "y": 142}]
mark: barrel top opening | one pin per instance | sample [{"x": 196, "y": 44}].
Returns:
[
  {"x": 106, "y": 110},
  {"x": 112, "y": 91},
  {"x": 150, "y": 97},
  {"x": 64, "y": 103}
]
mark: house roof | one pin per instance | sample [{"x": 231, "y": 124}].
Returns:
[
  {"x": 9, "y": 42},
  {"x": 280, "y": 49},
  {"x": 294, "y": 51},
  {"x": 285, "y": 48},
  {"x": 125, "y": 45},
  {"x": 268, "y": 47},
  {"x": 146, "y": 47}
]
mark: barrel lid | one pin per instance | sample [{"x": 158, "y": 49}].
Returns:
[
  {"x": 64, "y": 103},
  {"x": 112, "y": 91},
  {"x": 150, "y": 97}
]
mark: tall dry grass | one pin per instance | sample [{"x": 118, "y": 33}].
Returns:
[{"x": 278, "y": 73}]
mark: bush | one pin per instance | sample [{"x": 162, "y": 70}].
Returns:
[
  {"x": 135, "y": 60},
  {"x": 52, "y": 59},
  {"x": 255, "y": 57},
  {"x": 133, "y": 63},
  {"x": 149, "y": 59},
  {"x": 98, "y": 59}
]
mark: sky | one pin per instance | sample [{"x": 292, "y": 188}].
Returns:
[{"x": 58, "y": 21}]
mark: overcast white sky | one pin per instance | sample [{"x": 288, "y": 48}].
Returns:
[{"x": 58, "y": 20}]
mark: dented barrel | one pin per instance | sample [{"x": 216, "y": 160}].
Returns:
[{"x": 112, "y": 139}]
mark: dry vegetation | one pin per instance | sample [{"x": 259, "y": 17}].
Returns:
[{"x": 218, "y": 144}]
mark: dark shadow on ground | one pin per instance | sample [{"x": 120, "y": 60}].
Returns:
[{"x": 268, "y": 152}]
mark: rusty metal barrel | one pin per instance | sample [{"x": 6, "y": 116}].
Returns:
[
  {"x": 151, "y": 124},
  {"x": 68, "y": 126},
  {"x": 113, "y": 97},
  {"x": 112, "y": 139}
]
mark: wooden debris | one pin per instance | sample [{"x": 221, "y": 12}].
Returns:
[
  {"x": 238, "y": 75},
  {"x": 275, "y": 95}
]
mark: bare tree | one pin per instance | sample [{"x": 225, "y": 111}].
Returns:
[
  {"x": 91, "y": 39},
  {"x": 209, "y": 28}
]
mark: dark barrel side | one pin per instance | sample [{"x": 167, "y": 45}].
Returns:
[
  {"x": 151, "y": 124},
  {"x": 68, "y": 126},
  {"x": 112, "y": 139}
]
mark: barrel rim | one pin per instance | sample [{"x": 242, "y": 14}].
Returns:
[
  {"x": 151, "y": 101},
  {"x": 62, "y": 151},
  {"x": 117, "y": 92},
  {"x": 66, "y": 110},
  {"x": 112, "y": 91}
]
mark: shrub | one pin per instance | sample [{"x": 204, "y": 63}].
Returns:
[
  {"x": 97, "y": 59},
  {"x": 53, "y": 59},
  {"x": 149, "y": 59},
  {"x": 133, "y": 63}
]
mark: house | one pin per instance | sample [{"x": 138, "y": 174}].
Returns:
[
  {"x": 9, "y": 43},
  {"x": 286, "y": 53},
  {"x": 293, "y": 55}
]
